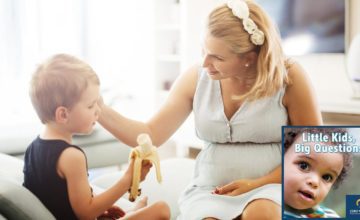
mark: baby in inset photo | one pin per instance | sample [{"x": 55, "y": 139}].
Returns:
[{"x": 309, "y": 175}]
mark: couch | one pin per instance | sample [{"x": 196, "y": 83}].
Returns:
[
  {"x": 16, "y": 202},
  {"x": 101, "y": 148}
]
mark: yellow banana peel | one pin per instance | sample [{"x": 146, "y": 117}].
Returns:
[{"x": 144, "y": 151}]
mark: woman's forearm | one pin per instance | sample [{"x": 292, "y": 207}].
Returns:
[
  {"x": 126, "y": 130},
  {"x": 273, "y": 177}
]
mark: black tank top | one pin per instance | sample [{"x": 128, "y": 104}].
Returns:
[{"x": 42, "y": 179}]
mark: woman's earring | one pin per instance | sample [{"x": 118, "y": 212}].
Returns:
[{"x": 246, "y": 65}]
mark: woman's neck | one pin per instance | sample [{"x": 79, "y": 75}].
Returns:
[
  {"x": 54, "y": 131},
  {"x": 246, "y": 80},
  {"x": 239, "y": 85}
]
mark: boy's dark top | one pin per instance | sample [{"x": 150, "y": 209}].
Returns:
[{"x": 42, "y": 179}]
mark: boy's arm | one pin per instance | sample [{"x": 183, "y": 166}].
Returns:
[{"x": 72, "y": 167}]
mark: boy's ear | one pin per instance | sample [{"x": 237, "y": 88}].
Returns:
[{"x": 61, "y": 114}]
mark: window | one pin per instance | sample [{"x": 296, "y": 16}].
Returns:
[
  {"x": 309, "y": 26},
  {"x": 114, "y": 37}
]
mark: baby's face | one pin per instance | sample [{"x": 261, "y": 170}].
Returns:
[{"x": 309, "y": 177}]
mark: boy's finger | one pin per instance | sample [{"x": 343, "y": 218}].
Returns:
[{"x": 131, "y": 162}]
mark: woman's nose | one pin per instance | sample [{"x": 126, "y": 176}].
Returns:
[{"x": 206, "y": 61}]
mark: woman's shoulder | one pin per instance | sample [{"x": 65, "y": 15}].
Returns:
[
  {"x": 298, "y": 81},
  {"x": 191, "y": 75},
  {"x": 294, "y": 69},
  {"x": 194, "y": 70},
  {"x": 185, "y": 84}
]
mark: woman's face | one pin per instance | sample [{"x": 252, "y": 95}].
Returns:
[
  {"x": 220, "y": 62},
  {"x": 309, "y": 177}
]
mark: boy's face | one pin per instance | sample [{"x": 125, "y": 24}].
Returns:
[
  {"x": 309, "y": 177},
  {"x": 85, "y": 113}
]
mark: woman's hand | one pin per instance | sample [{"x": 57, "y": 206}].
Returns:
[
  {"x": 100, "y": 102},
  {"x": 237, "y": 187}
]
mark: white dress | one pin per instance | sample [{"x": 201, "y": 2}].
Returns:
[{"x": 246, "y": 146}]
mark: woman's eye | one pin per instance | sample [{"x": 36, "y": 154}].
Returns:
[
  {"x": 304, "y": 166},
  {"x": 327, "y": 178}
]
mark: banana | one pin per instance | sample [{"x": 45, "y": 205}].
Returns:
[{"x": 145, "y": 151}]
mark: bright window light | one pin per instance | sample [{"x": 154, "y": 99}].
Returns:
[{"x": 115, "y": 37}]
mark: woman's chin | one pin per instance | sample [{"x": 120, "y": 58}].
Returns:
[{"x": 214, "y": 76}]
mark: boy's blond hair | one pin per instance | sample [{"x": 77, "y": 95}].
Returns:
[
  {"x": 59, "y": 81},
  {"x": 271, "y": 63}
]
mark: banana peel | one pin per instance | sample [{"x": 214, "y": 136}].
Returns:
[{"x": 144, "y": 151}]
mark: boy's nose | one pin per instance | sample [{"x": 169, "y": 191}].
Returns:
[{"x": 98, "y": 110}]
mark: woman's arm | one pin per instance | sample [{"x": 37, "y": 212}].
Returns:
[
  {"x": 300, "y": 99},
  {"x": 164, "y": 123},
  {"x": 244, "y": 185}
]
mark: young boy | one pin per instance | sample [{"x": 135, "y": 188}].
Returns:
[
  {"x": 309, "y": 175},
  {"x": 64, "y": 92}
]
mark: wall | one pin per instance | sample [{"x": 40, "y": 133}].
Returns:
[{"x": 354, "y": 17}]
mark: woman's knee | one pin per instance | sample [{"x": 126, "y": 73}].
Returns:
[
  {"x": 261, "y": 209},
  {"x": 163, "y": 209}
]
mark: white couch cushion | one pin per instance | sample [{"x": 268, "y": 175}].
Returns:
[{"x": 12, "y": 168}]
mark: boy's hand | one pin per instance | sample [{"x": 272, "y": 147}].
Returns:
[
  {"x": 145, "y": 168},
  {"x": 113, "y": 212},
  {"x": 146, "y": 165}
]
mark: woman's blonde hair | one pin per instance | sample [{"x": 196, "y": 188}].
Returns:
[
  {"x": 271, "y": 69},
  {"x": 59, "y": 81}
]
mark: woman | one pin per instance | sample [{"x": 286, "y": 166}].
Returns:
[{"x": 241, "y": 96}]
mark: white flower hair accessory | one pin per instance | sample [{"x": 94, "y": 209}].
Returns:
[{"x": 241, "y": 10}]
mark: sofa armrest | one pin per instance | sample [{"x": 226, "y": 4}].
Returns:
[{"x": 17, "y": 202}]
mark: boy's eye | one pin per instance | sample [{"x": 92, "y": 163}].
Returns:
[
  {"x": 304, "y": 166},
  {"x": 327, "y": 178}
]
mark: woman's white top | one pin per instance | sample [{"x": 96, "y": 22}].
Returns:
[{"x": 245, "y": 147}]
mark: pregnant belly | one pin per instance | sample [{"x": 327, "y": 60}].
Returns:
[{"x": 219, "y": 164}]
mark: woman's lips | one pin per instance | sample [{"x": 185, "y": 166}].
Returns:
[{"x": 212, "y": 72}]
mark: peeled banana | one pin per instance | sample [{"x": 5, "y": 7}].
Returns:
[{"x": 144, "y": 151}]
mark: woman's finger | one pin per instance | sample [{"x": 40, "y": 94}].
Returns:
[{"x": 227, "y": 188}]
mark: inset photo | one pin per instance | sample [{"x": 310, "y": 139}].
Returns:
[{"x": 321, "y": 172}]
